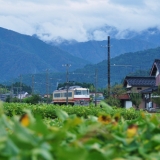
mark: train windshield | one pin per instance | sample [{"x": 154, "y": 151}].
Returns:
[{"x": 81, "y": 92}]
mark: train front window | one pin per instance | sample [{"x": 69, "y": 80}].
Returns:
[
  {"x": 77, "y": 92},
  {"x": 85, "y": 92}
]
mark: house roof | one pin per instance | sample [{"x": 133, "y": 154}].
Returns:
[
  {"x": 139, "y": 81},
  {"x": 150, "y": 90},
  {"x": 123, "y": 96},
  {"x": 155, "y": 67}
]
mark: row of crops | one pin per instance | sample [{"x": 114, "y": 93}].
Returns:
[
  {"x": 52, "y": 132},
  {"x": 48, "y": 111}
]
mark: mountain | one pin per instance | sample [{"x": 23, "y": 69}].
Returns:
[
  {"x": 122, "y": 65},
  {"x": 132, "y": 63},
  {"x": 151, "y": 35},
  {"x": 96, "y": 51},
  {"x": 22, "y": 54},
  {"x": 27, "y": 55}
]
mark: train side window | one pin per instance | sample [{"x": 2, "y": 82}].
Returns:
[
  {"x": 63, "y": 94},
  {"x": 57, "y": 95},
  {"x": 69, "y": 94}
]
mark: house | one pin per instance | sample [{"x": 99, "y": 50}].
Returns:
[
  {"x": 136, "y": 85},
  {"x": 147, "y": 93},
  {"x": 3, "y": 97},
  {"x": 155, "y": 71},
  {"x": 144, "y": 85},
  {"x": 22, "y": 95}
]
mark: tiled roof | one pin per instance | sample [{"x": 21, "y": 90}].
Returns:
[
  {"x": 150, "y": 90},
  {"x": 123, "y": 96},
  {"x": 139, "y": 81}
]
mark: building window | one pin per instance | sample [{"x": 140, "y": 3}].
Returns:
[{"x": 139, "y": 88}]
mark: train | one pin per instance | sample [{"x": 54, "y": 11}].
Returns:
[{"x": 77, "y": 95}]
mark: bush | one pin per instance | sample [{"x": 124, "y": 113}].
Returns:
[
  {"x": 113, "y": 101},
  {"x": 34, "y": 99}
]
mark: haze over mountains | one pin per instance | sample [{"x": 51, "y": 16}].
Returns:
[
  {"x": 96, "y": 51},
  {"x": 26, "y": 55}
]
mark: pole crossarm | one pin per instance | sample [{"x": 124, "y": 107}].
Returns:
[{"x": 121, "y": 65}]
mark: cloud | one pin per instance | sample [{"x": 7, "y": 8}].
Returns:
[
  {"x": 81, "y": 20},
  {"x": 137, "y": 3}
]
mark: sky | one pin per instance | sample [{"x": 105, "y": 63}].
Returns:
[{"x": 81, "y": 20}]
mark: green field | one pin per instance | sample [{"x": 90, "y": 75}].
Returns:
[{"x": 49, "y": 132}]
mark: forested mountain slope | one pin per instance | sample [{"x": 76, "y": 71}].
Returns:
[
  {"x": 96, "y": 51},
  {"x": 22, "y": 54},
  {"x": 133, "y": 63}
]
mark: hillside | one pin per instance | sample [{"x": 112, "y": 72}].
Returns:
[
  {"x": 22, "y": 54},
  {"x": 96, "y": 51},
  {"x": 133, "y": 63},
  {"x": 125, "y": 64}
]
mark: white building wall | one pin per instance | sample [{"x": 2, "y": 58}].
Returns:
[{"x": 128, "y": 104}]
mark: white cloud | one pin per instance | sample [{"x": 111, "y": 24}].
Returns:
[{"x": 77, "y": 19}]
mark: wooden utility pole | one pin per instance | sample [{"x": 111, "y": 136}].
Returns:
[
  {"x": 32, "y": 84},
  {"x": 20, "y": 88},
  {"x": 95, "y": 87},
  {"x": 47, "y": 85},
  {"x": 108, "y": 65},
  {"x": 67, "y": 66}
]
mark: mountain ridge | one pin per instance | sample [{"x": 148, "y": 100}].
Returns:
[
  {"x": 34, "y": 53},
  {"x": 134, "y": 41}
]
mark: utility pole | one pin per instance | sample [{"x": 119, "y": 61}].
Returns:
[
  {"x": 95, "y": 87},
  {"x": 67, "y": 66},
  {"x": 47, "y": 85},
  {"x": 108, "y": 65},
  {"x": 32, "y": 84},
  {"x": 20, "y": 86},
  {"x": 11, "y": 92}
]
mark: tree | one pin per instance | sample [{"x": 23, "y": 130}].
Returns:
[
  {"x": 115, "y": 90},
  {"x": 112, "y": 101},
  {"x": 34, "y": 99},
  {"x": 3, "y": 89},
  {"x": 136, "y": 99}
]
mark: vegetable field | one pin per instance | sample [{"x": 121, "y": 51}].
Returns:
[{"x": 48, "y": 132}]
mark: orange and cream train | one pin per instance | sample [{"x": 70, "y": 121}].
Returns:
[{"x": 76, "y": 96}]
